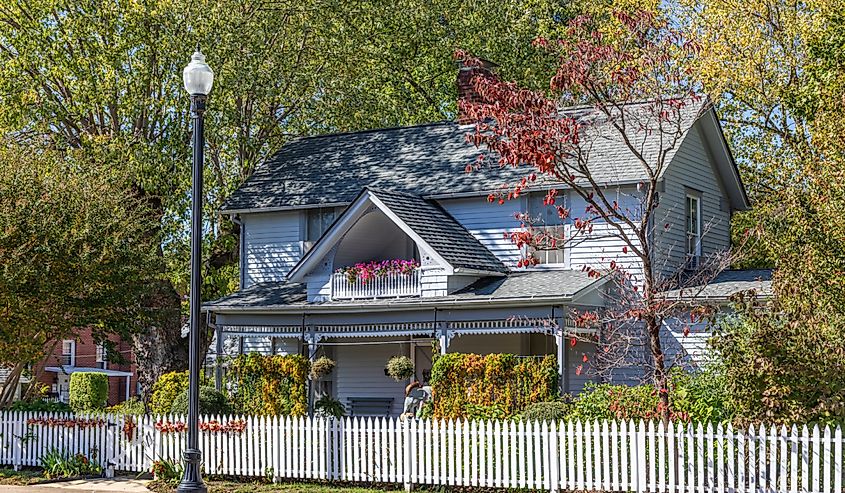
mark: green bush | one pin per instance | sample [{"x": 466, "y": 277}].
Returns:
[
  {"x": 547, "y": 411},
  {"x": 701, "y": 396},
  {"x": 328, "y": 407},
  {"x": 271, "y": 385},
  {"x": 166, "y": 389},
  {"x": 133, "y": 405},
  {"x": 492, "y": 386},
  {"x": 211, "y": 402},
  {"x": 59, "y": 464},
  {"x": 40, "y": 406},
  {"x": 605, "y": 401},
  {"x": 88, "y": 391}
]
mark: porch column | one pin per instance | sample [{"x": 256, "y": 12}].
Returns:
[
  {"x": 443, "y": 336},
  {"x": 128, "y": 384},
  {"x": 562, "y": 356},
  {"x": 218, "y": 359}
]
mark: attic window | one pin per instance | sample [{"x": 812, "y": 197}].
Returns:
[{"x": 693, "y": 220}]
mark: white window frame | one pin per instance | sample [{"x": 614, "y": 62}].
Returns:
[
  {"x": 72, "y": 354},
  {"x": 101, "y": 356},
  {"x": 696, "y": 253},
  {"x": 565, "y": 226}
]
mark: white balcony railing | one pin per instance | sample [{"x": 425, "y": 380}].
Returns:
[{"x": 389, "y": 286}]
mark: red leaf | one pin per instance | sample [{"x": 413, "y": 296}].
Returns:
[{"x": 573, "y": 342}]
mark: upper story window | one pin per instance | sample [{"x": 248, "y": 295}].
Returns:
[
  {"x": 317, "y": 221},
  {"x": 68, "y": 352},
  {"x": 547, "y": 218},
  {"x": 693, "y": 220},
  {"x": 102, "y": 358}
]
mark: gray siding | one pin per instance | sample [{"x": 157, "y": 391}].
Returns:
[
  {"x": 489, "y": 223},
  {"x": 360, "y": 373},
  {"x": 271, "y": 245},
  {"x": 691, "y": 169}
]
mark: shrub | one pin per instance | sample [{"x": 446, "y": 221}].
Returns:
[
  {"x": 40, "y": 406},
  {"x": 492, "y": 386},
  {"x": 59, "y": 464},
  {"x": 399, "y": 368},
  {"x": 166, "y": 389},
  {"x": 133, "y": 405},
  {"x": 88, "y": 391},
  {"x": 701, "y": 395},
  {"x": 547, "y": 411},
  {"x": 605, "y": 401},
  {"x": 271, "y": 385},
  {"x": 167, "y": 470},
  {"x": 322, "y": 367},
  {"x": 329, "y": 407},
  {"x": 211, "y": 402}
]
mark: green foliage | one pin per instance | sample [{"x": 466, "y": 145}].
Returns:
[
  {"x": 169, "y": 471},
  {"x": 40, "y": 406},
  {"x": 606, "y": 401},
  {"x": 329, "y": 407},
  {"x": 777, "y": 370},
  {"x": 58, "y": 464},
  {"x": 88, "y": 391},
  {"x": 166, "y": 389},
  {"x": 399, "y": 368},
  {"x": 491, "y": 386},
  {"x": 271, "y": 385},
  {"x": 547, "y": 411},
  {"x": 701, "y": 395},
  {"x": 211, "y": 402},
  {"x": 133, "y": 405}
]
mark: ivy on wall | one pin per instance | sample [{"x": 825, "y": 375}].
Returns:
[
  {"x": 271, "y": 385},
  {"x": 492, "y": 386}
]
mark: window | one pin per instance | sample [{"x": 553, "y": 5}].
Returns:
[
  {"x": 102, "y": 359},
  {"x": 317, "y": 221},
  {"x": 68, "y": 353},
  {"x": 547, "y": 218},
  {"x": 693, "y": 218}
]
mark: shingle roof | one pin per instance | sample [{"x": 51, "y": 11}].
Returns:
[
  {"x": 561, "y": 284},
  {"x": 425, "y": 160},
  {"x": 441, "y": 231},
  {"x": 727, "y": 284}
]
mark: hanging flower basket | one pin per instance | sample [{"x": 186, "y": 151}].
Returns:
[
  {"x": 399, "y": 368},
  {"x": 367, "y": 271}
]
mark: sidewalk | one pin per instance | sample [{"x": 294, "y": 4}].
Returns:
[{"x": 117, "y": 485}]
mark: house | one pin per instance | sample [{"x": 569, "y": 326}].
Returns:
[
  {"x": 83, "y": 354},
  {"x": 325, "y": 203}
]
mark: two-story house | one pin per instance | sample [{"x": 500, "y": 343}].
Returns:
[{"x": 325, "y": 203}]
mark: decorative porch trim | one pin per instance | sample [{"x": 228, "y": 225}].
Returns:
[{"x": 294, "y": 331}]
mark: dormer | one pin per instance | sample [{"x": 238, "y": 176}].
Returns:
[{"x": 417, "y": 248}]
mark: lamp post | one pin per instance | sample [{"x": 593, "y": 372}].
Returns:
[{"x": 198, "y": 78}]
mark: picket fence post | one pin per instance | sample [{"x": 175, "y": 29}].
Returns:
[
  {"x": 406, "y": 454},
  {"x": 18, "y": 420}
]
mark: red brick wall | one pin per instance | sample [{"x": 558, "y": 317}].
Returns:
[{"x": 86, "y": 356}]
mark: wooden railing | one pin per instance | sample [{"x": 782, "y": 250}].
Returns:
[{"x": 389, "y": 286}]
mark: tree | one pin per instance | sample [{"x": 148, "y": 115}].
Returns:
[
  {"x": 631, "y": 78},
  {"x": 74, "y": 255},
  {"x": 105, "y": 77}
]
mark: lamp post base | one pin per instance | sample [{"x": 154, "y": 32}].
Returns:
[{"x": 192, "y": 480}]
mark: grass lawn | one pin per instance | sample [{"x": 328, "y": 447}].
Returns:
[
  {"x": 23, "y": 477},
  {"x": 262, "y": 487}
]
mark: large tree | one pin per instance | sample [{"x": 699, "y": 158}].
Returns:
[
  {"x": 105, "y": 77},
  {"x": 74, "y": 255},
  {"x": 624, "y": 81}
]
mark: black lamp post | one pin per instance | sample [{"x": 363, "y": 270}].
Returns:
[{"x": 198, "y": 78}]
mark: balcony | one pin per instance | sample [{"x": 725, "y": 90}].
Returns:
[{"x": 394, "y": 285}]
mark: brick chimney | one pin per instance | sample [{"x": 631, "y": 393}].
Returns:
[{"x": 466, "y": 72}]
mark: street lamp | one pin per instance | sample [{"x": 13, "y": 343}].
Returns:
[{"x": 198, "y": 78}]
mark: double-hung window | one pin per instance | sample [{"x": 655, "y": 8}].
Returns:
[
  {"x": 693, "y": 220},
  {"x": 547, "y": 221},
  {"x": 317, "y": 221},
  {"x": 68, "y": 352}
]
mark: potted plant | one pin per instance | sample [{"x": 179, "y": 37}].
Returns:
[{"x": 399, "y": 368}]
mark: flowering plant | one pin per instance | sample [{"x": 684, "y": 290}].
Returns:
[
  {"x": 213, "y": 426},
  {"x": 367, "y": 271},
  {"x": 66, "y": 423}
]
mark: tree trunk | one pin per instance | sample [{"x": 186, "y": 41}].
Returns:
[
  {"x": 661, "y": 378},
  {"x": 8, "y": 393}
]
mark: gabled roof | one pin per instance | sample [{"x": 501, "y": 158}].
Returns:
[
  {"x": 727, "y": 284},
  {"x": 425, "y": 222},
  {"x": 526, "y": 286},
  {"x": 429, "y": 161}
]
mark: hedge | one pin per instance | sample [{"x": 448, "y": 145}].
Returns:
[
  {"x": 491, "y": 386},
  {"x": 88, "y": 391},
  {"x": 212, "y": 401},
  {"x": 166, "y": 389},
  {"x": 271, "y": 385}
]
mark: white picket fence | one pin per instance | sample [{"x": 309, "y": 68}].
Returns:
[{"x": 600, "y": 456}]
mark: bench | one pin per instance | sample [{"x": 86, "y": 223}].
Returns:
[{"x": 370, "y": 406}]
